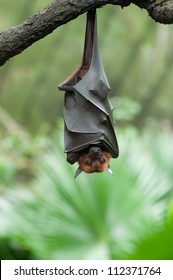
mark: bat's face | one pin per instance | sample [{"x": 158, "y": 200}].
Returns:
[{"x": 95, "y": 160}]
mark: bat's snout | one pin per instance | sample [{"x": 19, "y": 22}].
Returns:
[{"x": 94, "y": 151}]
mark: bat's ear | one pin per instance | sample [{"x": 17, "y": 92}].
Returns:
[
  {"x": 109, "y": 170},
  {"x": 78, "y": 171}
]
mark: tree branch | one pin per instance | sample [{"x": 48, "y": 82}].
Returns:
[
  {"x": 15, "y": 40},
  {"x": 160, "y": 10}
]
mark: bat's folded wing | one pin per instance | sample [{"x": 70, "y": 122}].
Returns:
[{"x": 87, "y": 109}]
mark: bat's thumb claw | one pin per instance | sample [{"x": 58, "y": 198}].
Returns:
[
  {"x": 109, "y": 170},
  {"x": 78, "y": 171}
]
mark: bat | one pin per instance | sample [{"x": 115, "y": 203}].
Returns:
[{"x": 89, "y": 135}]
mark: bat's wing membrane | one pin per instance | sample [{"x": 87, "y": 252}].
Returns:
[{"x": 87, "y": 110}]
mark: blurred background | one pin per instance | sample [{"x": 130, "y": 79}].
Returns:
[{"x": 44, "y": 212}]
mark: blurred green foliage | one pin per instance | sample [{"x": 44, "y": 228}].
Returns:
[
  {"x": 96, "y": 216},
  {"x": 137, "y": 55},
  {"x": 44, "y": 212}
]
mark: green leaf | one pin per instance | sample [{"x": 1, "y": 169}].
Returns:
[{"x": 96, "y": 216}]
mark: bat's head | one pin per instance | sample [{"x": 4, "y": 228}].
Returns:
[{"x": 94, "y": 160}]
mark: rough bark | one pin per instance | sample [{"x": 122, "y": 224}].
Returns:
[
  {"x": 14, "y": 40},
  {"x": 160, "y": 10}
]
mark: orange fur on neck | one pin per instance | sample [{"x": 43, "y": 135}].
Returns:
[{"x": 95, "y": 166}]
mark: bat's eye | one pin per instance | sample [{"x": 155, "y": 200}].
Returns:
[
  {"x": 88, "y": 162},
  {"x": 102, "y": 160}
]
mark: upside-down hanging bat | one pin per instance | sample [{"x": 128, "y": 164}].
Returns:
[{"x": 89, "y": 135}]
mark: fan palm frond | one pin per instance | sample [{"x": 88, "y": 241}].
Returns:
[{"x": 96, "y": 216}]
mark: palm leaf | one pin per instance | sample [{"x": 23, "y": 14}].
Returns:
[{"x": 96, "y": 216}]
